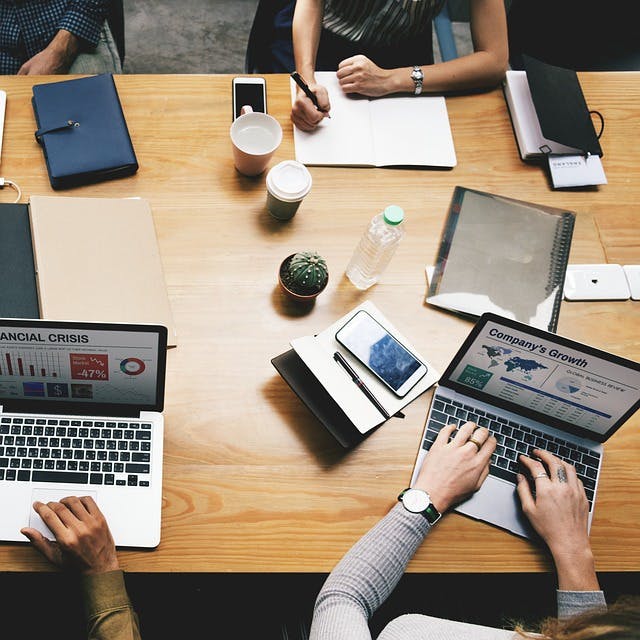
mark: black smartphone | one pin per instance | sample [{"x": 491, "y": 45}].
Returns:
[
  {"x": 249, "y": 91},
  {"x": 379, "y": 351}
]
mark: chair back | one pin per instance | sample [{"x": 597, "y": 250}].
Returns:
[{"x": 115, "y": 20}]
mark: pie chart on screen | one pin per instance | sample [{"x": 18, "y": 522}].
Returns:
[
  {"x": 568, "y": 385},
  {"x": 132, "y": 366}
]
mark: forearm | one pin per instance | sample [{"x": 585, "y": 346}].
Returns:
[
  {"x": 484, "y": 68},
  {"x": 306, "y": 29},
  {"x": 366, "y": 576},
  {"x": 476, "y": 71},
  {"x": 576, "y": 570},
  {"x": 64, "y": 48},
  {"x": 108, "y": 611},
  {"x": 578, "y": 587}
]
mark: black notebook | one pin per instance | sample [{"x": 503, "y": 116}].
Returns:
[
  {"x": 317, "y": 399},
  {"x": 83, "y": 132},
  {"x": 18, "y": 289},
  {"x": 502, "y": 255}
]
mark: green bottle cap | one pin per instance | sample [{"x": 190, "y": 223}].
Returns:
[{"x": 393, "y": 215}]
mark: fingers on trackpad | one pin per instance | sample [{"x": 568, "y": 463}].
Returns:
[{"x": 50, "y": 495}]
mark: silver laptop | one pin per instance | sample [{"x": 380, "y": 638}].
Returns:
[
  {"x": 531, "y": 389},
  {"x": 80, "y": 414}
]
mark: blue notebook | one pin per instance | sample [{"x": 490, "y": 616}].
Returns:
[{"x": 83, "y": 132}]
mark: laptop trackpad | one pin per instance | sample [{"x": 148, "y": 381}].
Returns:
[
  {"x": 497, "y": 502},
  {"x": 50, "y": 495}
]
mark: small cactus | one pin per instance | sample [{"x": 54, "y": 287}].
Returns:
[{"x": 305, "y": 273}]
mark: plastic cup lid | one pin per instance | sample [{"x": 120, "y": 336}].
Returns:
[{"x": 289, "y": 181}]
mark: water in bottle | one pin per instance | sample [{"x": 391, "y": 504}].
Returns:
[{"x": 376, "y": 248}]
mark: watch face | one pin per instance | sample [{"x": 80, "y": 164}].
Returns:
[
  {"x": 417, "y": 74},
  {"x": 416, "y": 500}
]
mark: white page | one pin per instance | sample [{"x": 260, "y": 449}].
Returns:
[
  {"x": 412, "y": 130},
  {"x": 317, "y": 353},
  {"x": 343, "y": 139}
]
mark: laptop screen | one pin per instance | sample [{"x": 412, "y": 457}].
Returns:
[
  {"x": 546, "y": 377},
  {"x": 89, "y": 367}
]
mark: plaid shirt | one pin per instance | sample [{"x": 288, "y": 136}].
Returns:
[{"x": 28, "y": 26}]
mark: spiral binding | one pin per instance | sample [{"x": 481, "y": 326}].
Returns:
[{"x": 559, "y": 259}]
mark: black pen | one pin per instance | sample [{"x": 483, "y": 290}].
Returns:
[
  {"x": 305, "y": 87},
  {"x": 339, "y": 358}
]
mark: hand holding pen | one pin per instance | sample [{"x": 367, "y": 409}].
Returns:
[{"x": 308, "y": 113}]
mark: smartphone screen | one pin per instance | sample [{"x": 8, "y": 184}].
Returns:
[
  {"x": 381, "y": 353},
  {"x": 249, "y": 91}
]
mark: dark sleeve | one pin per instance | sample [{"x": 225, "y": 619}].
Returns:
[
  {"x": 108, "y": 610},
  {"x": 84, "y": 19}
]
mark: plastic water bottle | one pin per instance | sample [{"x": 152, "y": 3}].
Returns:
[{"x": 376, "y": 248}]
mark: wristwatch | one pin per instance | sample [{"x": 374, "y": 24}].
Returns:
[
  {"x": 419, "y": 501},
  {"x": 417, "y": 76}
]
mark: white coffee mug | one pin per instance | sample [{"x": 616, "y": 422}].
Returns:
[{"x": 254, "y": 136}]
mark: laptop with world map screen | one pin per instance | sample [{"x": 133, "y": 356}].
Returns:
[{"x": 533, "y": 390}]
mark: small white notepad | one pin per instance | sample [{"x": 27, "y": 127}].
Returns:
[{"x": 377, "y": 132}]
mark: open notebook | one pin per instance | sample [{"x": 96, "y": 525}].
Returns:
[{"x": 389, "y": 131}]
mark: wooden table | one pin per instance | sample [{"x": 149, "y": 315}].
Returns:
[{"x": 252, "y": 482}]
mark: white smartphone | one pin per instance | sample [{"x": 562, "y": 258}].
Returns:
[
  {"x": 249, "y": 91},
  {"x": 390, "y": 361}
]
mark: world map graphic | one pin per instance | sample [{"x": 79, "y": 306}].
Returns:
[{"x": 502, "y": 356}]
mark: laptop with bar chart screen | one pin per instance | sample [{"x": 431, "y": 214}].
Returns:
[
  {"x": 81, "y": 414},
  {"x": 531, "y": 389}
]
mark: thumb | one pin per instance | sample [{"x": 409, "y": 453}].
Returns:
[{"x": 47, "y": 548}]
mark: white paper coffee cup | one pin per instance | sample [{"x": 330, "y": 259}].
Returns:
[{"x": 287, "y": 185}]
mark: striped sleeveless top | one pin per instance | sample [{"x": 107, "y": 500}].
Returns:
[{"x": 379, "y": 22}]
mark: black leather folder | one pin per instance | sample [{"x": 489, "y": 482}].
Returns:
[
  {"x": 560, "y": 106},
  {"x": 306, "y": 386},
  {"x": 18, "y": 288},
  {"x": 83, "y": 132}
]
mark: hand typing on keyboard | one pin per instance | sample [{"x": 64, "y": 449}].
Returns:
[
  {"x": 455, "y": 469},
  {"x": 553, "y": 499},
  {"x": 83, "y": 540}
]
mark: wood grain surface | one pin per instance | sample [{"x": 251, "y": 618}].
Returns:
[{"x": 252, "y": 483}]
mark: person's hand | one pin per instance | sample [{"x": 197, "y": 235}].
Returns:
[
  {"x": 83, "y": 540},
  {"x": 304, "y": 114},
  {"x": 559, "y": 512},
  {"x": 54, "y": 59},
  {"x": 454, "y": 470},
  {"x": 360, "y": 75}
]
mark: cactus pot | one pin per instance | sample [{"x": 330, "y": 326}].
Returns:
[{"x": 304, "y": 278}]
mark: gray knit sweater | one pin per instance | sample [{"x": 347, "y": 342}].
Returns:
[{"x": 369, "y": 572}]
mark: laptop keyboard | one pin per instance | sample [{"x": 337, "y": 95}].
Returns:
[
  {"x": 91, "y": 452},
  {"x": 513, "y": 439}
]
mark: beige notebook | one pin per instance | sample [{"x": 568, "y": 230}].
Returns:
[{"x": 97, "y": 259}]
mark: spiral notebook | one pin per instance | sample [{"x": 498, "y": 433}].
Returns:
[{"x": 504, "y": 256}]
